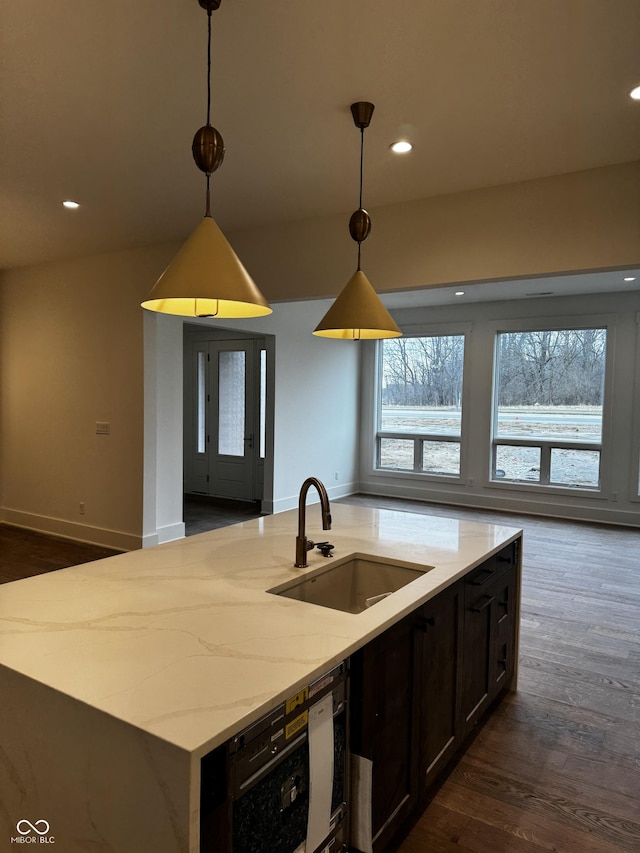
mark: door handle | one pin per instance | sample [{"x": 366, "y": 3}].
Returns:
[{"x": 249, "y": 440}]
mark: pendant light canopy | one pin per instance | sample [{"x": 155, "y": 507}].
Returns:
[
  {"x": 206, "y": 278},
  {"x": 358, "y": 313}
]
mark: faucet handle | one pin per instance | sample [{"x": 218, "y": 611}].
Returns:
[{"x": 325, "y": 548}]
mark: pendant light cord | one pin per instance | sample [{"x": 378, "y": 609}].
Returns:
[
  {"x": 209, "y": 67},
  {"x": 361, "y": 172},
  {"x": 361, "y": 161},
  {"x": 208, "y": 174}
]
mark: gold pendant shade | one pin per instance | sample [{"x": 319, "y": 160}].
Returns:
[
  {"x": 357, "y": 314},
  {"x": 206, "y": 265}
]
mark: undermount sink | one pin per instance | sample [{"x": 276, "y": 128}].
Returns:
[{"x": 352, "y": 584}]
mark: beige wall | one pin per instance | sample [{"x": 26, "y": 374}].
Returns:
[
  {"x": 72, "y": 354},
  {"x": 71, "y": 334},
  {"x": 578, "y": 222}
]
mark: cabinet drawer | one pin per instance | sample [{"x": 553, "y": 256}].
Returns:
[{"x": 482, "y": 578}]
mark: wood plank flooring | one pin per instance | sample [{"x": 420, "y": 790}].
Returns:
[
  {"x": 24, "y": 553},
  {"x": 203, "y": 513},
  {"x": 557, "y": 766}
]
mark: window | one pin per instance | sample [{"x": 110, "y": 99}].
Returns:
[
  {"x": 420, "y": 411},
  {"x": 548, "y": 404}
]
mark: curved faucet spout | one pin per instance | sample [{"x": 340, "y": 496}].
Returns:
[{"x": 302, "y": 543}]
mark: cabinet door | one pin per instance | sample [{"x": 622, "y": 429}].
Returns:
[
  {"x": 478, "y": 670},
  {"x": 442, "y": 622},
  {"x": 383, "y": 725},
  {"x": 489, "y": 632},
  {"x": 504, "y": 625}
]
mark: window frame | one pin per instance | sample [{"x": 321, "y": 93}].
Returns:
[
  {"x": 423, "y": 331},
  {"x": 607, "y": 322}
]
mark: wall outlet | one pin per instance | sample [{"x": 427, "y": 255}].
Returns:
[
  {"x": 103, "y": 428},
  {"x": 81, "y": 507},
  {"x": 470, "y": 481},
  {"x": 614, "y": 496},
  {"x": 337, "y": 475}
]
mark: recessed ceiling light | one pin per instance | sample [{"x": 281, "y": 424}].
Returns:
[
  {"x": 459, "y": 292},
  {"x": 401, "y": 146},
  {"x": 630, "y": 278},
  {"x": 71, "y": 205},
  {"x": 635, "y": 93}
]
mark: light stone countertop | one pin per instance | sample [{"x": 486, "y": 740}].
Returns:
[{"x": 182, "y": 640}]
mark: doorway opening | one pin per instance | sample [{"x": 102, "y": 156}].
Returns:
[{"x": 228, "y": 426}]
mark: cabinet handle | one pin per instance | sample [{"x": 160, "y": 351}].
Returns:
[
  {"x": 488, "y": 599},
  {"x": 478, "y": 580}
]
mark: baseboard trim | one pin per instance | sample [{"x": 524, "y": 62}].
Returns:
[
  {"x": 508, "y": 503},
  {"x": 164, "y": 534},
  {"x": 334, "y": 492},
  {"x": 115, "y": 539}
]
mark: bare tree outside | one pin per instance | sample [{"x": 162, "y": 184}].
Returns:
[
  {"x": 421, "y": 394},
  {"x": 549, "y": 387},
  {"x": 423, "y": 371},
  {"x": 560, "y": 369}
]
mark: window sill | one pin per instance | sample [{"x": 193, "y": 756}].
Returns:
[
  {"x": 416, "y": 475},
  {"x": 546, "y": 488}
]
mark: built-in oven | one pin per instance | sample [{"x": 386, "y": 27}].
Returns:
[{"x": 285, "y": 778}]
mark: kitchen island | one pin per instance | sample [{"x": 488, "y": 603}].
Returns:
[{"x": 118, "y": 676}]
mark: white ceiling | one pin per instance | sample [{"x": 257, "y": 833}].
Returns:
[{"x": 99, "y": 103}]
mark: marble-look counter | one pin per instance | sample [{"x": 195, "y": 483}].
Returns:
[{"x": 133, "y": 667}]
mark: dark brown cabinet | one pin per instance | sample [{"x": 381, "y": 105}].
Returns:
[
  {"x": 384, "y": 716},
  {"x": 441, "y": 620},
  {"x": 418, "y": 689},
  {"x": 489, "y": 633}
]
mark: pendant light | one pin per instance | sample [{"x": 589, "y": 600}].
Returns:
[
  {"x": 206, "y": 278},
  {"x": 358, "y": 313}
]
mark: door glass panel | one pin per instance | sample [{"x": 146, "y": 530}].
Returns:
[
  {"x": 201, "y": 401},
  {"x": 231, "y": 403},
  {"x": 263, "y": 403}
]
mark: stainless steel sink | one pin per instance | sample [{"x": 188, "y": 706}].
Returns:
[{"x": 352, "y": 584}]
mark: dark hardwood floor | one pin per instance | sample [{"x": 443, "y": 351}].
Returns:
[
  {"x": 23, "y": 553},
  {"x": 204, "y": 513},
  {"x": 557, "y": 766}
]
